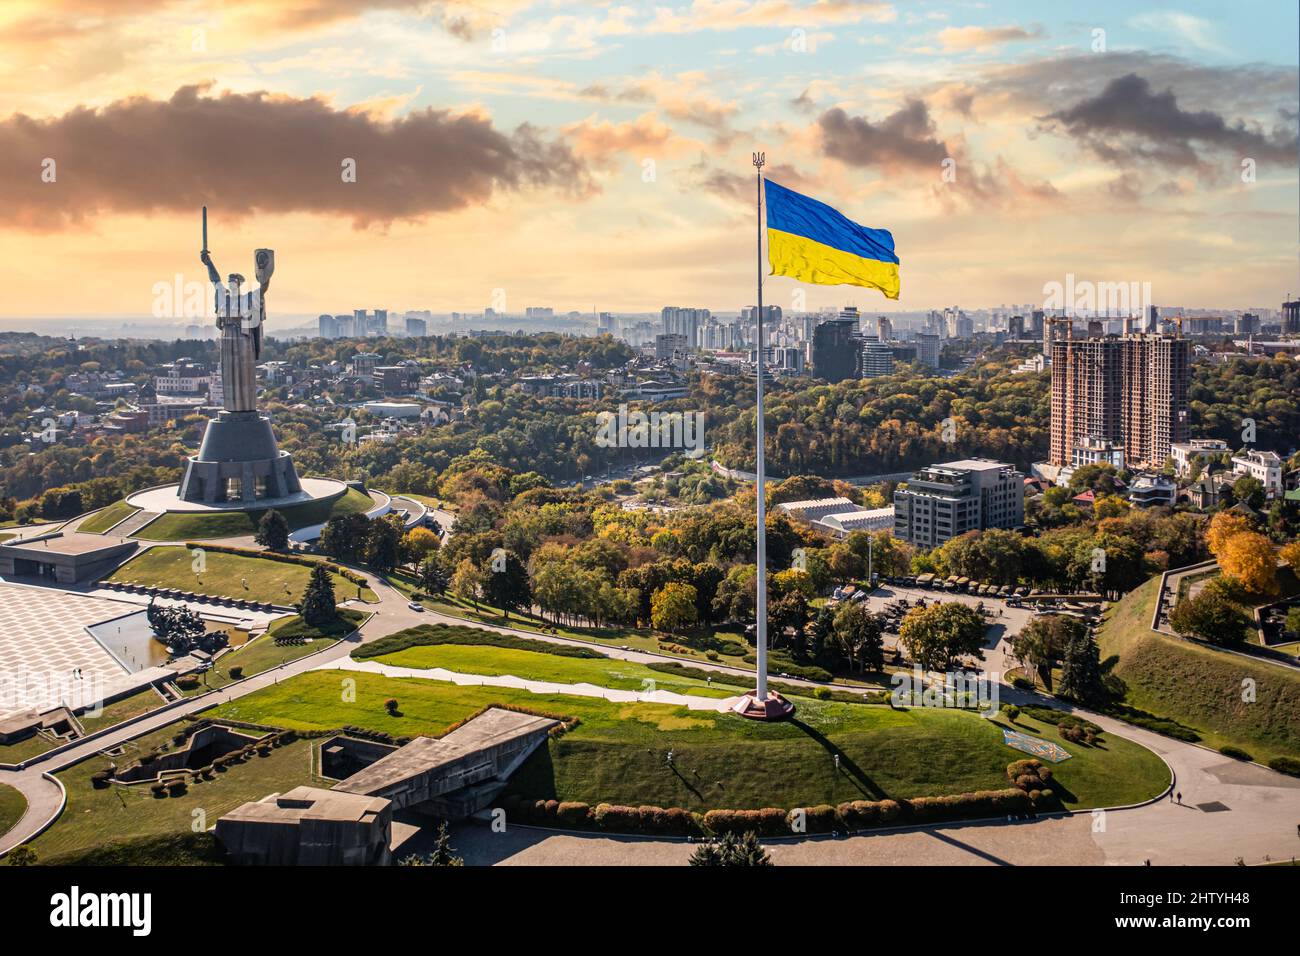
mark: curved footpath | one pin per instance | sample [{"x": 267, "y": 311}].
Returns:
[{"x": 1229, "y": 809}]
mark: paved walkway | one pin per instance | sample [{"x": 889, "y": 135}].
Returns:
[{"x": 716, "y": 704}]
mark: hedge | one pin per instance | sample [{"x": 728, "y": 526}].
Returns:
[
  {"x": 1287, "y": 765},
  {"x": 345, "y": 573},
  {"x": 426, "y": 635},
  {"x": 774, "y": 821}
]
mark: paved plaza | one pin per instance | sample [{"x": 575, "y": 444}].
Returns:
[{"x": 46, "y": 645}]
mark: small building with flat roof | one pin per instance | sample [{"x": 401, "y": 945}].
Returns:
[{"x": 63, "y": 557}]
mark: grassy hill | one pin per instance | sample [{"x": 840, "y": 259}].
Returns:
[
  {"x": 617, "y": 752},
  {"x": 228, "y": 575},
  {"x": 1201, "y": 687},
  {"x": 189, "y": 525}
]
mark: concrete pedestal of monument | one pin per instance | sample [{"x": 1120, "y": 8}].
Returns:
[
  {"x": 239, "y": 462},
  {"x": 166, "y": 498},
  {"x": 774, "y": 707}
]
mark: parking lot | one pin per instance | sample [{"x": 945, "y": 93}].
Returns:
[{"x": 1004, "y": 619}]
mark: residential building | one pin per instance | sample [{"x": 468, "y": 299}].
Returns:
[
  {"x": 946, "y": 500},
  {"x": 1186, "y": 453},
  {"x": 876, "y": 358},
  {"x": 1264, "y": 466},
  {"x": 1130, "y": 391},
  {"x": 928, "y": 348},
  {"x": 396, "y": 379},
  {"x": 1152, "y": 489}
]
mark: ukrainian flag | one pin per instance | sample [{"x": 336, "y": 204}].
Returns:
[{"x": 809, "y": 241}]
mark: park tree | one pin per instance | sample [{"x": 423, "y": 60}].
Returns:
[
  {"x": 788, "y": 613},
  {"x": 1250, "y": 491},
  {"x": 467, "y": 582},
  {"x": 736, "y": 595},
  {"x": 442, "y": 854},
  {"x": 343, "y": 537},
  {"x": 1212, "y": 617},
  {"x": 1222, "y": 527},
  {"x": 672, "y": 607},
  {"x": 506, "y": 586},
  {"x": 1043, "y": 641},
  {"x": 434, "y": 578},
  {"x": 319, "y": 608},
  {"x": 857, "y": 638},
  {"x": 938, "y": 635},
  {"x": 1081, "y": 677},
  {"x": 732, "y": 850},
  {"x": 273, "y": 531},
  {"x": 418, "y": 544},
  {"x": 1290, "y": 553},
  {"x": 1248, "y": 557},
  {"x": 383, "y": 548}
]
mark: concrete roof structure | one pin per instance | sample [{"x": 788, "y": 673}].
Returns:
[{"x": 443, "y": 759}]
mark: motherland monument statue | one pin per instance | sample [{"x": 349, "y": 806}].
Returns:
[{"x": 239, "y": 462}]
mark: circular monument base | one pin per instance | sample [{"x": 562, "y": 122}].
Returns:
[
  {"x": 167, "y": 498},
  {"x": 775, "y": 707}
]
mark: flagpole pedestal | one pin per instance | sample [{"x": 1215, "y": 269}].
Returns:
[{"x": 775, "y": 707}]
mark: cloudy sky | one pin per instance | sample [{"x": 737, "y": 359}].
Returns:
[{"x": 586, "y": 155}]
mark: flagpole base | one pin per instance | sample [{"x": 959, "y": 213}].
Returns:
[{"x": 775, "y": 707}]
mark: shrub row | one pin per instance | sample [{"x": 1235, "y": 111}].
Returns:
[
  {"x": 774, "y": 821},
  {"x": 1160, "y": 725},
  {"x": 345, "y": 573},
  {"x": 1287, "y": 765},
  {"x": 426, "y": 635}
]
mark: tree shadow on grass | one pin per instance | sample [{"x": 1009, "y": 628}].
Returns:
[{"x": 864, "y": 783}]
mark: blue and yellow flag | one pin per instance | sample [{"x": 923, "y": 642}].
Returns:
[{"x": 809, "y": 241}]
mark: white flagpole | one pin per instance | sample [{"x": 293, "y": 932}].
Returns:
[{"x": 760, "y": 622}]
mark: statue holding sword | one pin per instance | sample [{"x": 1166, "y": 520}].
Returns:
[{"x": 239, "y": 316}]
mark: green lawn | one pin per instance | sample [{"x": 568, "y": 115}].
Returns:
[
  {"x": 138, "y": 703},
  {"x": 127, "y": 813},
  {"x": 12, "y": 807},
  {"x": 105, "y": 519},
  {"x": 268, "y": 581},
  {"x": 25, "y": 749},
  {"x": 1199, "y": 686},
  {"x": 616, "y": 754},
  {"x": 534, "y": 665},
  {"x": 189, "y": 526},
  {"x": 263, "y": 653},
  {"x": 686, "y": 647}
]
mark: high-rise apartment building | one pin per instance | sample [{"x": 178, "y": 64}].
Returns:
[
  {"x": 927, "y": 349},
  {"x": 1130, "y": 391},
  {"x": 876, "y": 358},
  {"x": 1291, "y": 317},
  {"x": 835, "y": 356}
]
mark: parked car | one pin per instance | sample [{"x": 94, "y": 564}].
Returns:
[{"x": 415, "y": 606}]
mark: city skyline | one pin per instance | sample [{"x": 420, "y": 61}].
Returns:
[{"x": 589, "y": 158}]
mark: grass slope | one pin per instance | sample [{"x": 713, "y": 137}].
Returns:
[
  {"x": 127, "y": 813},
  {"x": 617, "y": 752},
  {"x": 1199, "y": 686},
  {"x": 263, "y": 653},
  {"x": 269, "y": 581},
  {"x": 187, "y": 526},
  {"x": 101, "y": 522},
  {"x": 12, "y": 807}
]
